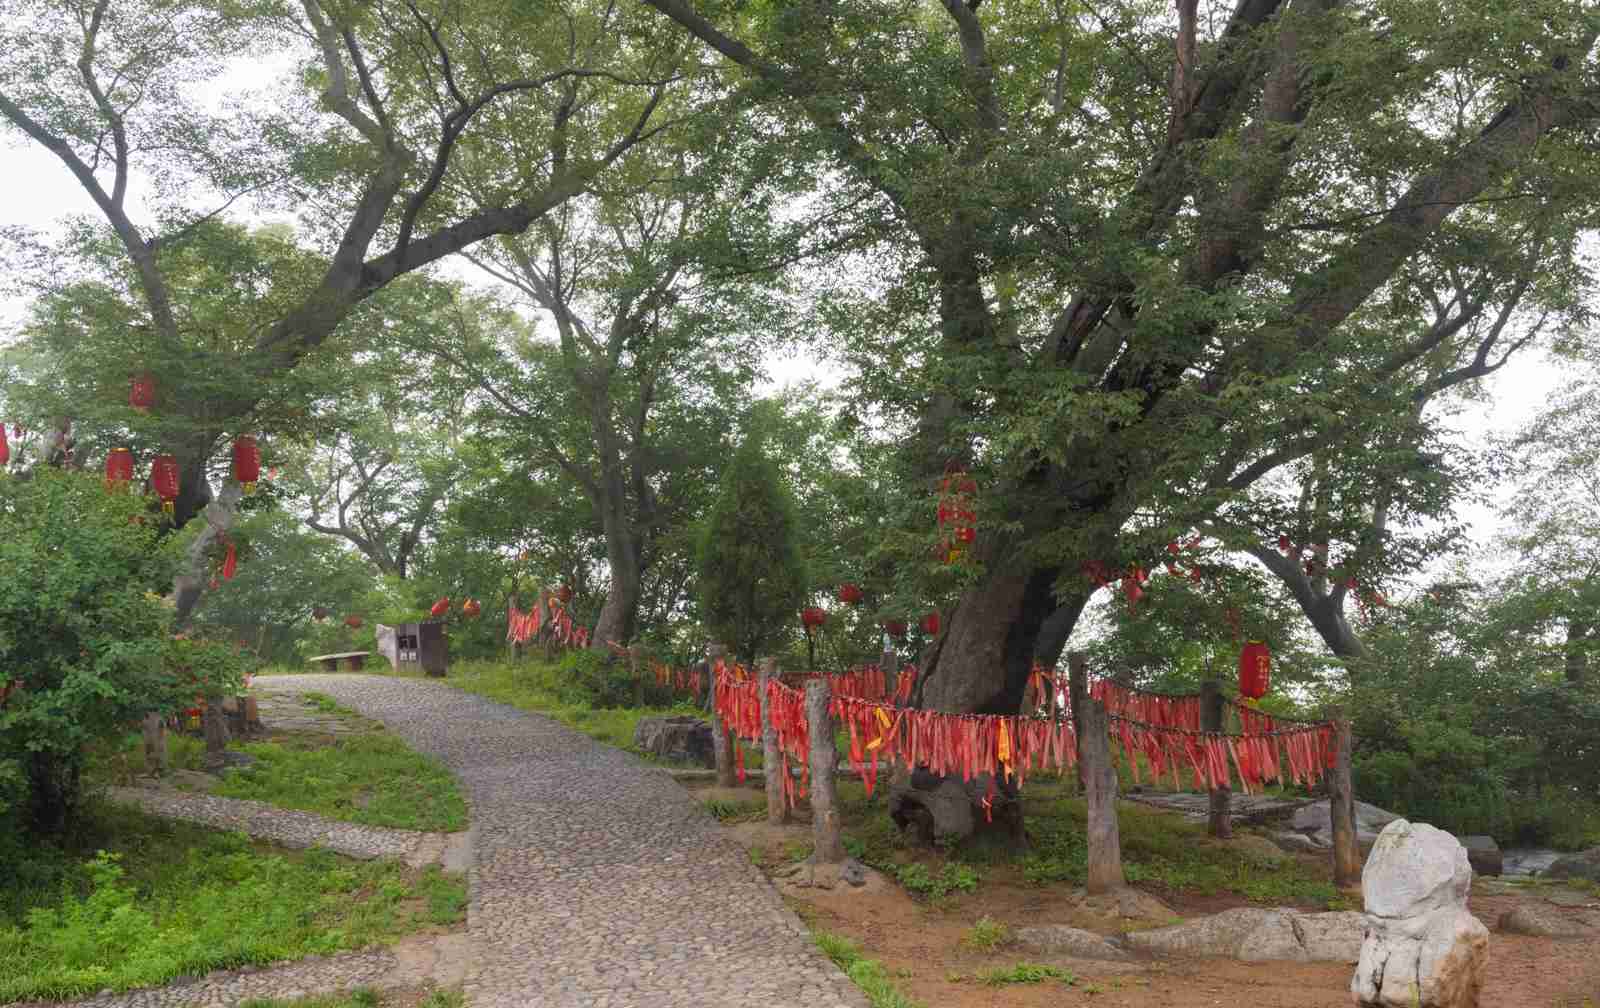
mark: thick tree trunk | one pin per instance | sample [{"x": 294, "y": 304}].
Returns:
[
  {"x": 620, "y": 613},
  {"x": 827, "y": 840},
  {"x": 192, "y": 577},
  {"x": 981, "y": 664}
]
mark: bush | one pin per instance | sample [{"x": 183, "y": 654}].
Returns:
[{"x": 84, "y": 638}]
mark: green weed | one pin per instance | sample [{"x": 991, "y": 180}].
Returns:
[
  {"x": 374, "y": 779},
  {"x": 953, "y": 877},
  {"x": 444, "y": 999},
  {"x": 867, "y": 974},
  {"x": 137, "y": 901},
  {"x": 362, "y": 997},
  {"x": 733, "y": 811},
  {"x": 986, "y": 935},
  {"x": 325, "y": 704},
  {"x": 1025, "y": 973}
]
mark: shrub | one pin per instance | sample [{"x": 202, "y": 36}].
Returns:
[{"x": 84, "y": 639}]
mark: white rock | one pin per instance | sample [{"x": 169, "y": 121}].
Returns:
[{"x": 1414, "y": 869}]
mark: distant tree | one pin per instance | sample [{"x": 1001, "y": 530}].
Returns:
[{"x": 752, "y": 581}]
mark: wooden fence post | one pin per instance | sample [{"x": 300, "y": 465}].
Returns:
[
  {"x": 771, "y": 760},
  {"x": 1100, "y": 783},
  {"x": 1077, "y": 693},
  {"x": 721, "y": 743},
  {"x": 889, "y": 664},
  {"x": 1218, "y": 822},
  {"x": 216, "y": 733},
  {"x": 827, "y": 840},
  {"x": 155, "y": 744},
  {"x": 1342, "y": 807}
]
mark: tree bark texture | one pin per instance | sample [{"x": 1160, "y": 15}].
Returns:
[
  {"x": 1341, "y": 808},
  {"x": 216, "y": 729},
  {"x": 827, "y": 838},
  {"x": 1218, "y": 822},
  {"x": 155, "y": 743},
  {"x": 772, "y": 760},
  {"x": 1100, "y": 782}
]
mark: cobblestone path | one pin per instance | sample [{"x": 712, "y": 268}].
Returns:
[{"x": 596, "y": 883}]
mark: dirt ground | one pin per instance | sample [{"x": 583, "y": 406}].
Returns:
[{"x": 921, "y": 946}]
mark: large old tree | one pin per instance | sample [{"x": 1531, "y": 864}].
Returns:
[
  {"x": 395, "y": 95},
  {"x": 1150, "y": 260}
]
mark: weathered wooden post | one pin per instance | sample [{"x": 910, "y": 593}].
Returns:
[
  {"x": 1077, "y": 693},
  {"x": 155, "y": 744},
  {"x": 216, "y": 733},
  {"x": 771, "y": 759},
  {"x": 1342, "y": 807},
  {"x": 721, "y": 742},
  {"x": 889, "y": 664},
  {"x": 1218, "y": 821},
  {"x": 826, "y": 836},
  {"x": 1100, "y": 785}
]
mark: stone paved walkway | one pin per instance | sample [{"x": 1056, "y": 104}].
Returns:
[
  {"x": 302, "y": 829},
  {"x": 596, "y": 883}
]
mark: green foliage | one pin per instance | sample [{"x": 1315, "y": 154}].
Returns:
[
  {"x": 369, "y": 778},
  {"x": 1026, "y": 973},
  {"x": 83, "y": 637},
  {"x": 867, "y": 974},
  {"x": 751, "y": 581},
  {"x": 361, "y": 997},
  {"x": 986, "y": 935},
  {"x": 734, "y": 811},
  {"x": 137, "y": 901},
  {"x": 952, "y": 877}
]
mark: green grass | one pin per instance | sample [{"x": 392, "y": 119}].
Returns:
[
  {"x": 135, "y": 901},
  {"x": 867, "y": 974},
  {"x": 1025, "y": 973},
  {"x": 370, "y": 778},
  {"x": 986, "y": 935},
  {"x": 361, "y": 997},
  {"x": 735, "y": 811}
]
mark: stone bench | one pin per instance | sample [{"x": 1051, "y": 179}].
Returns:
[{"x": 352, "y": 660}]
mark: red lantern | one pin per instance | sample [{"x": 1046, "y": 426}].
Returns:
[
  {"x": 811, "y": 618},
  {"x": 230, "y": 562},
  {"x": 119, "y": 468},
  {"x": 930, "y": 624},
  {"x": 353, "y": 622},
  {"x": 164, "y": 478},
  {"x": 319, "y": 613},
  {"x": 142, "y": 392},
  {"x": 895, "y": 628},
  {"x": 246, "y": 462},
  {"x": 5, "y": 449},
  {"x": 849, "y": 594},
  {"x": 1255, "y": 666},
  {"x": 566, "y": 594},
  {"x": 440, "y": 608},
  {"x": 471, "y": 608}
]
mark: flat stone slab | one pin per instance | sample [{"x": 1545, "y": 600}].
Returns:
[
  {"x": 288, "y": 827},
  {"x": 1241, "y": 809},
  {"x": 595, "y": 881}
]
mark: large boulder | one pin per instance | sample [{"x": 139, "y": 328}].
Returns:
[
  {"x": 1584, "y": 865},
  {"x": 1540, "y": 922},
  {"x": 1422, "y": 948},
  {"x": 1260, "y": 935},
  {"x": 1315, "y": 823},
  {"x": 678, "y": 739},
  {"x": 1062, "y": 940},
  {"x": 1484, "y": 855}
]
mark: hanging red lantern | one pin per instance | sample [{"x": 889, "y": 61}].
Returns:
[
  {"x": 930, "y": 624},
  {"x": 142, "y": 392},
  {"x": 470, "y": 608},
  {"x": 119, "y": 468},
  {"x": 246, "y": 462},
  {"x": 1255, "y": 667},
  {"x": 319, "y": 613},
  {"x": 353, "y": 622},
  {"x": 849, "y": 594},
  {"x": 440, "y": 608},
  {"x": 5, "y": 449},
  {"x": 1284, "y": 545},
  {"x": 230, "y": 562},
  {"x": 895, "y": 628},
  {"x": 164, "y": 478},
  {"x": 812, "y": 618},
  {"x": 566, "y": 594}
]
